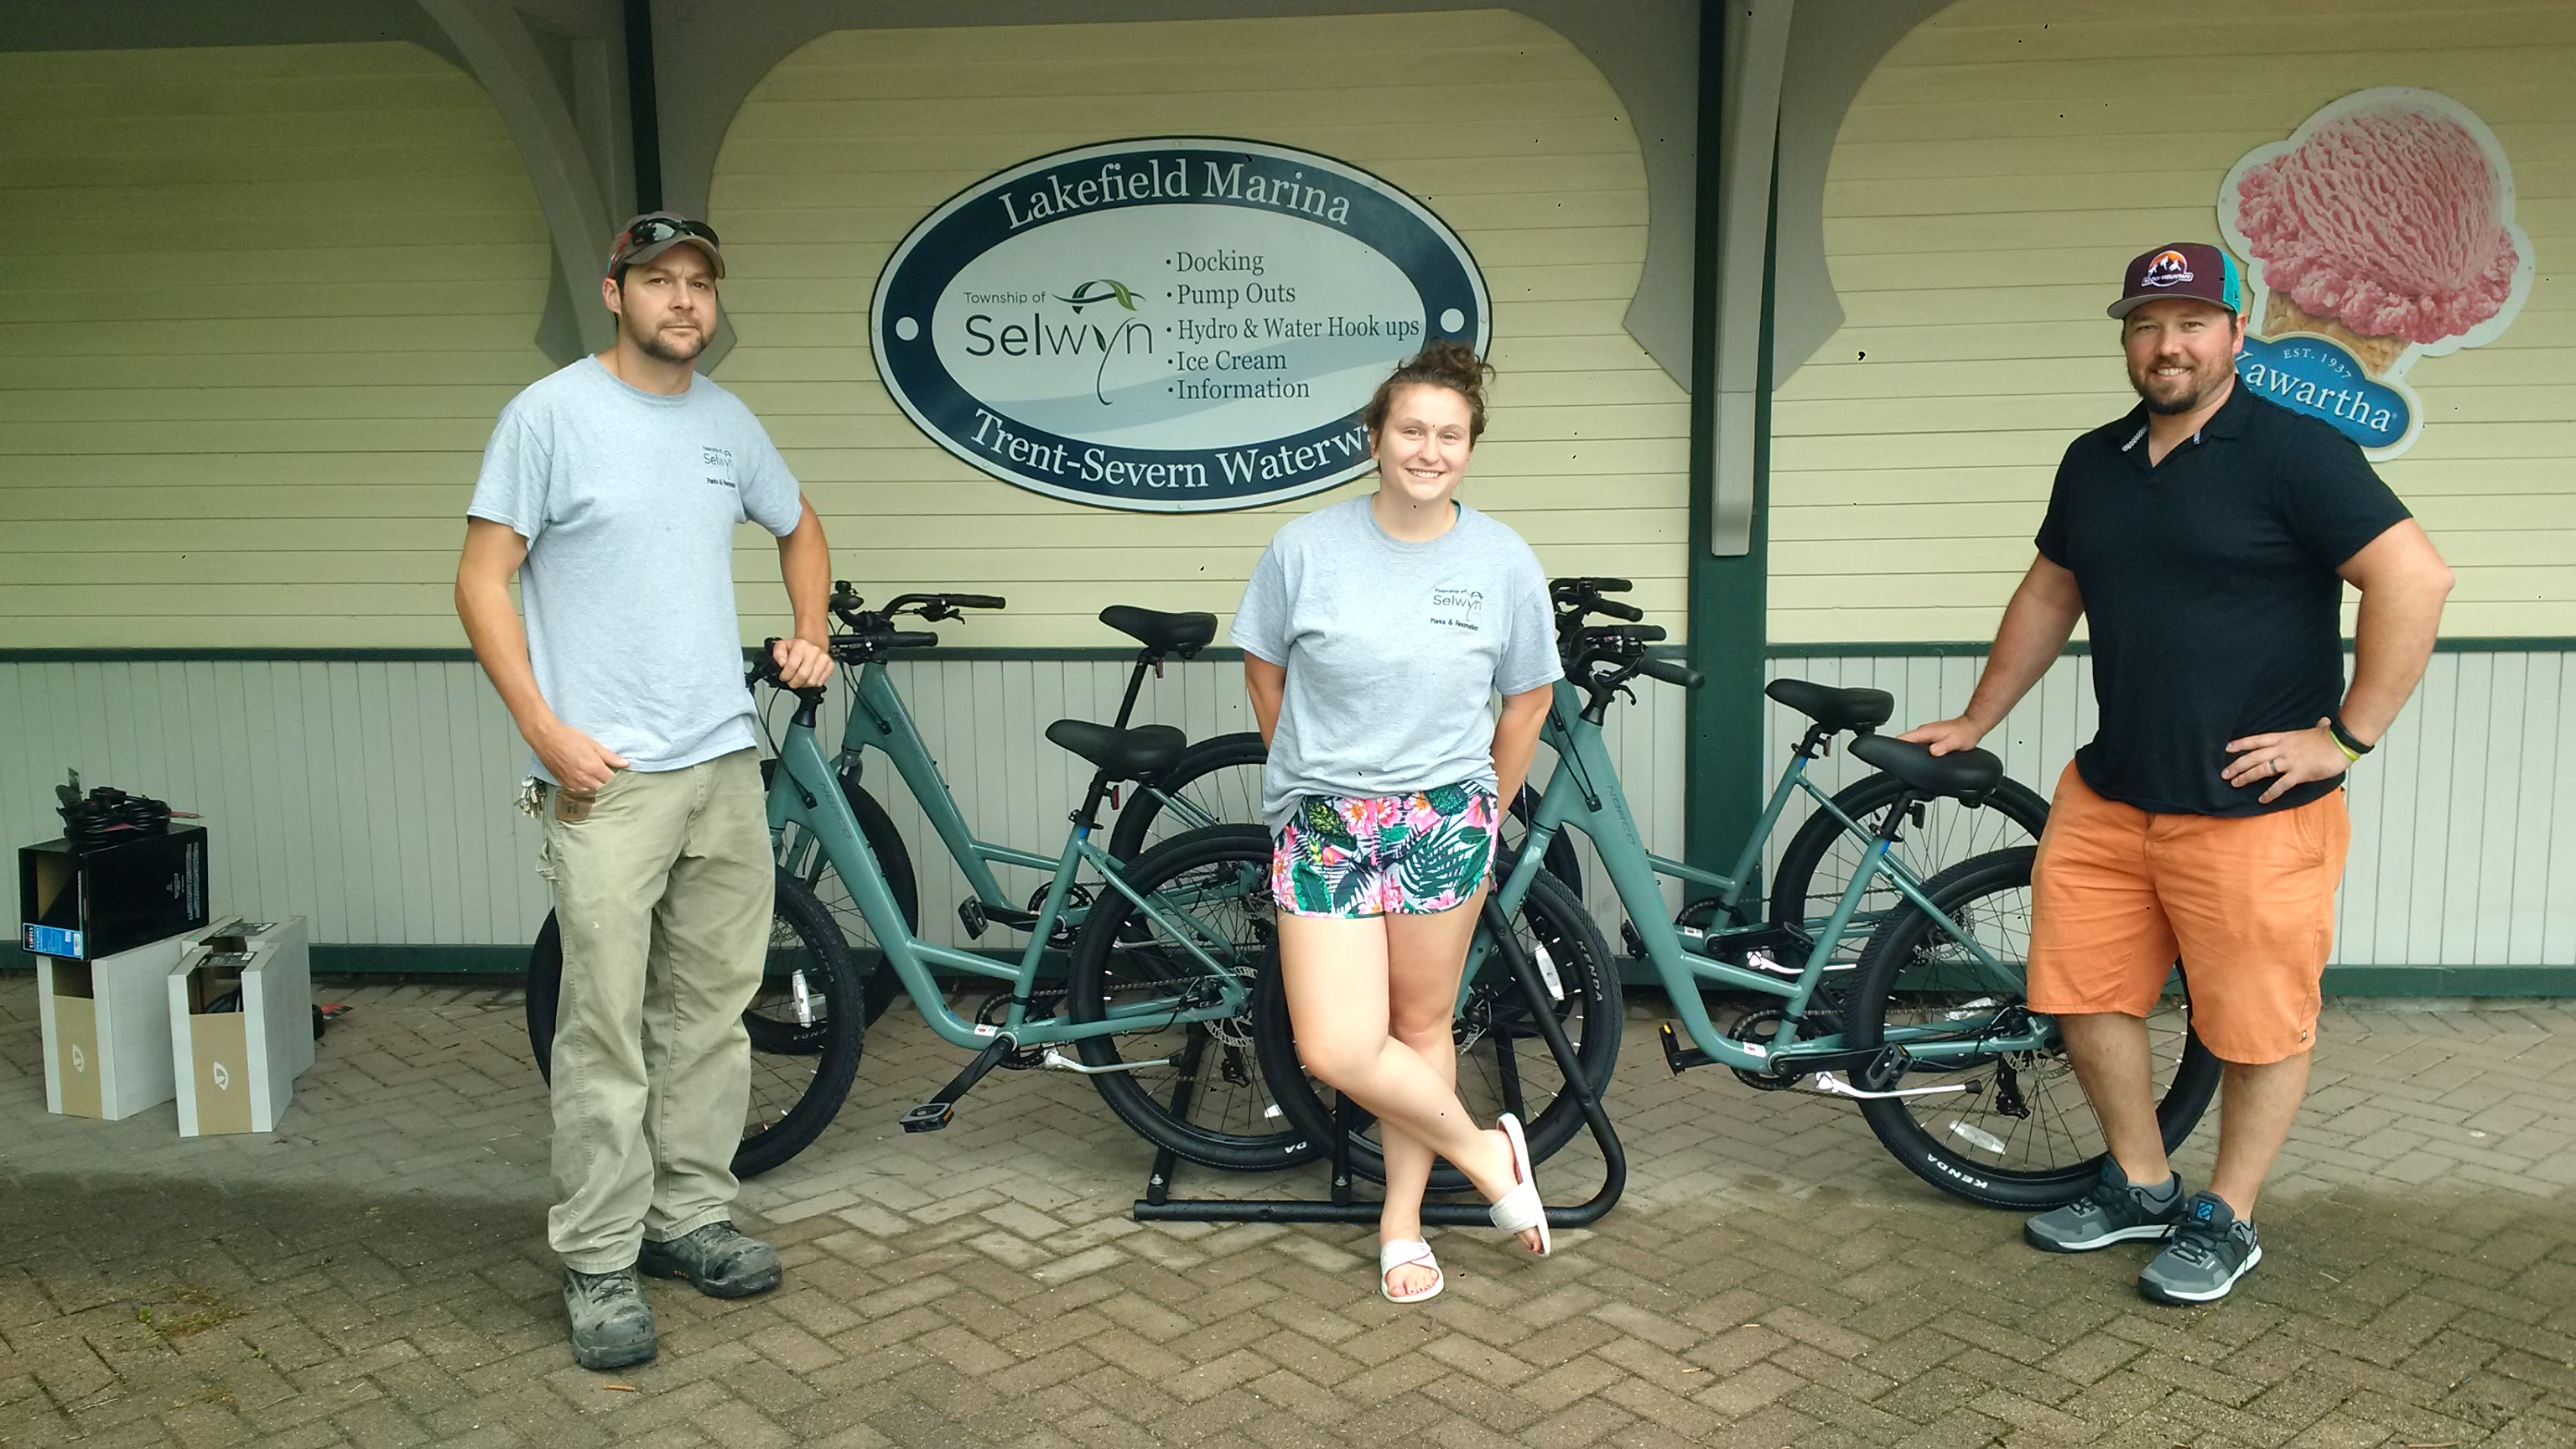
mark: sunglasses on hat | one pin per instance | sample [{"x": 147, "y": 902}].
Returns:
[{"x": 659, "y": 231}]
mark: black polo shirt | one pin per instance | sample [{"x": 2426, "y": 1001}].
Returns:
[{"x": 2209, "y": 582}]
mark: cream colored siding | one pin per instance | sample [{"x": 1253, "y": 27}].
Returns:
[
  {"x": 1993, "y": 176},
  {"x": 258, "y": 308},
  {"x": 1493, "y": 120}
]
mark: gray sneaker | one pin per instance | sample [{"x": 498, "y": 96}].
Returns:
[
  {"x": 2110, "y": 1211},
  {"x": 612, "y": 1325},
  {"x": 2210, "y": 1251},
  {"x": 720, "y": 1260}
]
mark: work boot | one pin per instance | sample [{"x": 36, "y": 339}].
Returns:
[
  {"x": 719, "y": 1260},
  {"x": 2110, "y": 1211},
  {"x": 2210, "y": 1251},
  {"x": 612, "y": 1325}
]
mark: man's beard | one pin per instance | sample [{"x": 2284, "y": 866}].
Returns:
[
  {"x": 2202, "y": 390},
  {"x": 652, "y": 345}
]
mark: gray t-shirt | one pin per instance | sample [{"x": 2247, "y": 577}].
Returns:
[
  {"x": 628, "y": 500},
  {"x": 1394, "y": 651}
]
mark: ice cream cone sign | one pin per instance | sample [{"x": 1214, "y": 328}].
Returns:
[{"x": 2380, "y": 232}]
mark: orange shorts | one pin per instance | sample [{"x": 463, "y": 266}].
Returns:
[{"x": 2246, "y": 902}]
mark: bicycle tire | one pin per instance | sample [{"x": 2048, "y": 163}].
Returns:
[
  {"x": 2017, "y": 1166},
  {"x": 1221, "y": 775},
  {"x": 1228, "y": 1121},
  {"x": 1496, "y": 1012},
  {"x": 894, "y": 859},
  {"x": 2013, "y": 815},
  {"x": 802, "y": 937}
]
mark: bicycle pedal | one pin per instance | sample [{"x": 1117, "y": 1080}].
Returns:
[
  {"x": 1677, "y": 1055},
  {"x": 929, "y": 1116}
]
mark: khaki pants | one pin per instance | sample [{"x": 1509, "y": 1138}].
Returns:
[{"x": 663, "y": 893}]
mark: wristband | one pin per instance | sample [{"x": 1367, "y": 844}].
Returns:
[{"x": 2352, "y": 748}]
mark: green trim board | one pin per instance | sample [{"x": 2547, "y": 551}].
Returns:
[
  {"x": 1976, "y": 648},
  {"x": 1214, "y": 654},
  {"x": 1728, "y": 598}
]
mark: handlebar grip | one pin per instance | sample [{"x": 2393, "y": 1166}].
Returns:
[
  {"x": 1671, "y": 671},
  {"x": 764, "y": 666},
  {"x": 978, "y": 601},
  {"x": 1612, "y": 608},
  {"x": 910, "y": 639}
]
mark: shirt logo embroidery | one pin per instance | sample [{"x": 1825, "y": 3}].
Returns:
[
  {"x": 1457, "y": 607},
  {"x": 721, "y": 460}
]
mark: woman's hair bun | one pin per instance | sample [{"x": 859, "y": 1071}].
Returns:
[{"x": 1443, "y": 363}]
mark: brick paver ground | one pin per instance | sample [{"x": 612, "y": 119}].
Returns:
[{"x": 376, "y": 1274}]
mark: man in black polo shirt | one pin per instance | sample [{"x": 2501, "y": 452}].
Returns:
[{"x": 2206, "y": 538}]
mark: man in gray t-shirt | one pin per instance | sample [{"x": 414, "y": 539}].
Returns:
[
  {"x": 613, "y": 490},
  {"x": 1405, "y": 645}
]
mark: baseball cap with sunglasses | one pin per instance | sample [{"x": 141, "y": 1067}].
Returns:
[{"x": 656, "y": 232}]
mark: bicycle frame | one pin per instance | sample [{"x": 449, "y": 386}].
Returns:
[
  {"x": 879, "y": 717},
  {"x": 1584, "y": 794},
  {"x": 807, "y": 795}
]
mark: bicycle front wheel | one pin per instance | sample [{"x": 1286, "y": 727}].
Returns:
[
  {"x": 803, "y": 1022},
  {"x": 1196, "y": 1088},
  {"x": 1503, "y": 1062},
  {"x": 2021, "y": 1134}
]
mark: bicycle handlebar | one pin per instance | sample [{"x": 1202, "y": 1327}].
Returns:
[{"x": 1671, "y": 671}]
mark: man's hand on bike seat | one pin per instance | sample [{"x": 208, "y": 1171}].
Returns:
[{"x": 1946, "y": 736}]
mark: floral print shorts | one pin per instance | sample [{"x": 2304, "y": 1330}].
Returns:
[{"x": 1408, "y": 855}]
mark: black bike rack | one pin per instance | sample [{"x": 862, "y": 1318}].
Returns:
[{"x": 1345, "y": 1206}]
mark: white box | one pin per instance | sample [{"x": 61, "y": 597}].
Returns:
[
  {"x": 107, "y": 1030},
  {"x": 236, "y": 1068}
]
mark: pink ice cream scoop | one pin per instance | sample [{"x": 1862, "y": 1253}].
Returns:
[{"x": 2389, "y": 221}]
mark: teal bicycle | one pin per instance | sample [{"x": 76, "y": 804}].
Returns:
[
  {"x": 1928, "y": 1030},
  {"x": 878, "y": 719},
  {"x": 1137, "y": 973}
]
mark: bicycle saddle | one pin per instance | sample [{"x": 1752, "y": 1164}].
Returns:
[
  {"x": 1131, "y": 754},
  {"x": 1842, "y": 709},
  {"x": 1178, "y": 633},
  {"x": 1964, "y": 775}
]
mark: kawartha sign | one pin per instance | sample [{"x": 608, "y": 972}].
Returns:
[
  {"x": 2380, "y": 232},
  {"x": 1169, "y": 325}
]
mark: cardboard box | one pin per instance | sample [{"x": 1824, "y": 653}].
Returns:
[
  {"x": 236, "y": 1064},
  {"x": 106, "y": 1026},
  {"x": 81, "y": 905}
]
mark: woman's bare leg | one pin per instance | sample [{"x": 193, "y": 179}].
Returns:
[
  {"x": 1336, "y": 972},
  {"x": 1425, "y": 955}
]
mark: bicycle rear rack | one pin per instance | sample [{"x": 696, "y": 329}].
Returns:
[{"x": 1345, "y": 1205}]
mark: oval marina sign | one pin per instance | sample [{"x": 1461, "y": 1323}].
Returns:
[{"x": 1170, "y": 325}]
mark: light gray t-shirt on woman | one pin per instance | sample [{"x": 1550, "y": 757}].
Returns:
[
  {"x": 628, "y": 500},
  {"x": 1394, "y": 651}
]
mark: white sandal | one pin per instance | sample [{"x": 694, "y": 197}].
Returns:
[
  {"x": 1519, "y": 1210},
  {"x": 1399, "y": 1252}
]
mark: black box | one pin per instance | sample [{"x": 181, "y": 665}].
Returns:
[{"x": 81, "y": 905}]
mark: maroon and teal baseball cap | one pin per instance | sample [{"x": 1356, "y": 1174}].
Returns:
[{"x": 2182, "y": 269}]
